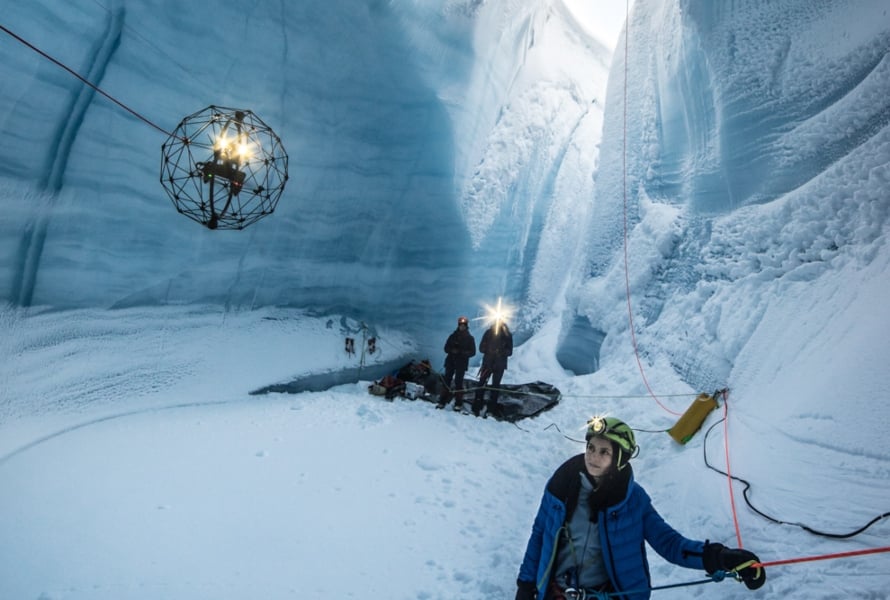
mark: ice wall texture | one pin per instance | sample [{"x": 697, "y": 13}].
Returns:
[
  {"x": 757, "y": 140},
  {"x": 427, "y": 146}
]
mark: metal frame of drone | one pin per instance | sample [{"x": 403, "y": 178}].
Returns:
[{"x": 224, "y": 168}]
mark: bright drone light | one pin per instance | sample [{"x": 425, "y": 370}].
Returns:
[
  {"x": 245, "y": 152},
  {"x": 229, "y": 148},
  {"x": 222, "y": 144}
]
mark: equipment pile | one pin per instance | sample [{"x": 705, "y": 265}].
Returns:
[{"x": 418, "y": 381}]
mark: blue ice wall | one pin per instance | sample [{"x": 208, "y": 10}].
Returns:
[
  {"x": 743, "y": 142},
  {"x": 384, "y": 108},
  {"x": 368, "y": 225}
]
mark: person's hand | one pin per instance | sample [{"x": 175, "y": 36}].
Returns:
[
  {"x": 526, "y": 590},
  {"x": 717, "y": 557}
]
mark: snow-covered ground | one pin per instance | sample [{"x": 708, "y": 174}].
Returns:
[{"x": 144, "y": 468}]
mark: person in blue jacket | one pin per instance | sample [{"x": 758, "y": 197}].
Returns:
[{"x": 591, "y": 530}]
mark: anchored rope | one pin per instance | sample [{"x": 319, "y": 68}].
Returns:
[
  {"x": 623, "y": 396},
  {"x": 630, "y": 316},
  {"x": 772, "y": 519},
  {"x": 735, "y": 514},
  {"x": 725, "y": 420},
  {"x": 84, "y": 80},
  {"x": 715, "y": 577},
  {"x": 789, "y": 561}
]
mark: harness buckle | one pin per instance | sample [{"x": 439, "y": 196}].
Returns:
[{"x": 575, "y": 594}]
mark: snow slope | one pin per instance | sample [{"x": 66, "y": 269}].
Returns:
[{"x": 146, "y": 469}]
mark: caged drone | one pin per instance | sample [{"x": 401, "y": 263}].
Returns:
[{"x": 224, "y": 168}]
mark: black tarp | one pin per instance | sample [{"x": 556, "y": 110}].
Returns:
[
  {"x": 518, "y": 401},
  {"x": 515, "y": 401}
]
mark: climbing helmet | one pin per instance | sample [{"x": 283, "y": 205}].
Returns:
[{"x": 617, "y": 431}]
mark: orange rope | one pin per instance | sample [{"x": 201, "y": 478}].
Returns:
[
  {"x": 789, "y": 561},
  {"x": 630, "y": 316},
  {"x": 735, "y": 517},
  {"x": 735, "y": 514}
]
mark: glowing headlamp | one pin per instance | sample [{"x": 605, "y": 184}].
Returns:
[
  {"x": 596, "y": 426},
  {"x": 498, "y": 315}
]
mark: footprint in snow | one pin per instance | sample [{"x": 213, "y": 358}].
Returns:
[{"x": 428, "y": 463}]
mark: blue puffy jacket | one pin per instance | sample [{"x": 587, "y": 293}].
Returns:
[{"x": 623, "y": 529}]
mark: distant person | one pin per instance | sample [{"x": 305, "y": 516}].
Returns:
[
  {"x": 459, "y": 347},
  {"x": 496, "y": 346},
  {"x": 590, "y": 529}
]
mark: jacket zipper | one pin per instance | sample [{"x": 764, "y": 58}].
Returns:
[{"x": 613, "y": 515}]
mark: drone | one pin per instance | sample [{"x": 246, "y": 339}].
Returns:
[{"x": 224, "y": 168}]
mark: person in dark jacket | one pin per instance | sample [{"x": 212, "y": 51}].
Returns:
[
  {"x": 590, "y": 529},
  {"x": 459, "y": 347},
  {"x": 496, "y": 346}
]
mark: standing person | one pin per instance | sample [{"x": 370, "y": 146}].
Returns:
[
  {"x": 459, "y": 347},
  {"x": 593, "y": 519},
  {"x": 496, "y": 346}
]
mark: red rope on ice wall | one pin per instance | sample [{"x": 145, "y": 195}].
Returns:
[
  {"x": 735, "y": 517},
  {"x": 630, "y": 316}
]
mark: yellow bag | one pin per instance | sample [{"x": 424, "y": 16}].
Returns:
[{"x": 692, "y": 419}]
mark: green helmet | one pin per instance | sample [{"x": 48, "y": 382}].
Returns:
[{"x": 617, "y": 431}]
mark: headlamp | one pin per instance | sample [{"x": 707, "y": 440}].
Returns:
[{"x": 596, "y": 426}]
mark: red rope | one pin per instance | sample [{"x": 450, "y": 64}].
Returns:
[
  {"x": 789, "y": 561},
  {"x": 630, "y": 316},
  {"x": 83, "y": 79},
  {"x": 735, "y": 514},
  {"x": 735, "y": 517}
]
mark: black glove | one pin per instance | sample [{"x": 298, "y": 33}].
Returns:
[
  {"x": 526, "y": 590},
  {"x": 717, "y": 557}
]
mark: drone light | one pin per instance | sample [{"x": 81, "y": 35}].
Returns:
[{"x": 222, "y": 144}]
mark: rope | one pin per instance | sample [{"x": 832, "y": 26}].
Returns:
[
  {"x": 789, "y": 561},
  {"x": 84, "y": 80},
  {"x": 624, "y": 396},
  {"x": 725, "y": 419},
  {"x": 772, "y": 519},
  {"x": 361, "y": 362},
  {"x": 630, "y": 316},
  {"x": 715, "y": 577},
  {"x": 735, "y": 514}
]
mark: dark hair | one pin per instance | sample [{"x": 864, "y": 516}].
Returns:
[{"x": 610, "y": 489}]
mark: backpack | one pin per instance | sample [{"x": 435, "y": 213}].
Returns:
[{"x": 389, "y": 387}]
